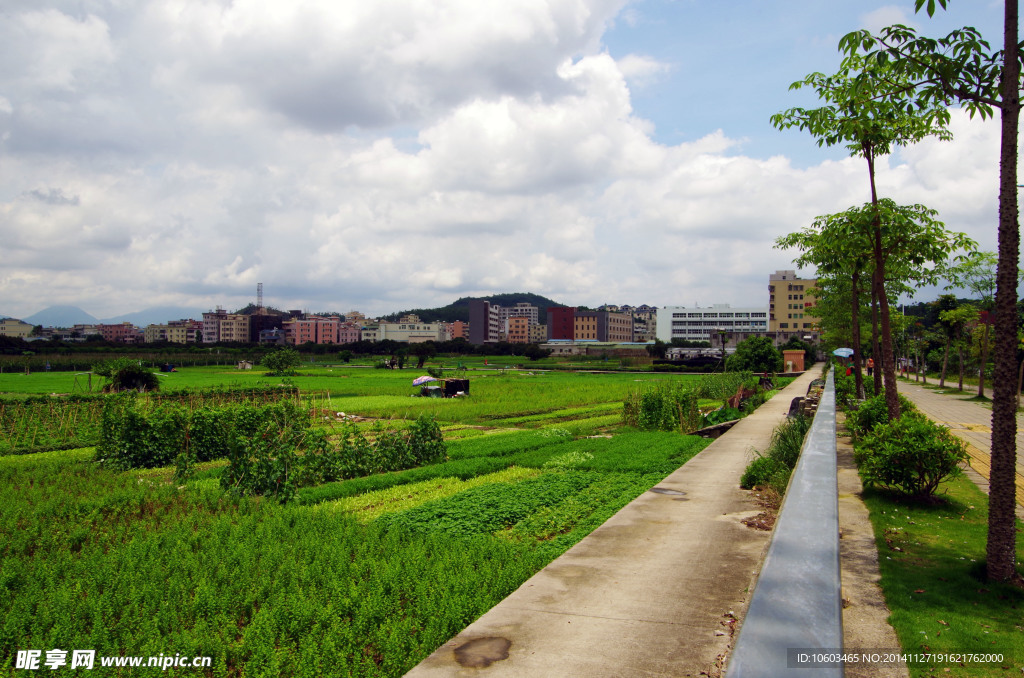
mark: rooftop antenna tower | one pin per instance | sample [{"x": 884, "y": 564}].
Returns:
[{"x": 259, "y": 298}]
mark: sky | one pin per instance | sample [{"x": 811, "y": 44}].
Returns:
[{"x": 396, "y": 154}]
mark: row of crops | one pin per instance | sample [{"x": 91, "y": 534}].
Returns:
[
  {"x": 360, "y": 577},
  {"x": 360, "y": 573},
  {"x": 41, "y": 423}
]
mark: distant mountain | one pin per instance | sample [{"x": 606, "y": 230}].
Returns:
[
  {"x": 459, "y": 309},
  {"x": 158, "y": 315},
  {"x": 61, "y": 316}
]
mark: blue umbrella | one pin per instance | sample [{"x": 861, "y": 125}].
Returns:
[
  {"x": 422, "y": 380},
  {"x": 843, "y": 352}
]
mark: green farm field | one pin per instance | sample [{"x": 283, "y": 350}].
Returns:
[{"x": 360, "y": 577}]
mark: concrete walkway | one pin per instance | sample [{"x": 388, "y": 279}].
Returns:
[
  {"x": 654, "y": 591},
  {"x": 971, "y": 422}
]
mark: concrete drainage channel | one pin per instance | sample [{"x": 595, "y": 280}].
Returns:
[{"x": 796, "y": 609}]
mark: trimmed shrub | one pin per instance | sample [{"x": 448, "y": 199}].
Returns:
[
  {"x": 911, "y": 455},
  {"x": 871, "y": 413}
]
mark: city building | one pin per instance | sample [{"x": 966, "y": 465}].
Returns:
[
  {"x": 11, "y": 327},
  {"x": 561, "y": 323},
  {"x": 712, "y": 323},
  {"x": 484, "y": 322},
  {"x": 219, "y": 326},
  {"x": 315, "y": 329},
  {"x": 259, "y": 322},
  {"x": 645, "y": 323},
  {"x": 122, "y": 333},
  {"x": 520, "y": 310},
  {"x": 273, "y": 336},
  {"x": 790, "y": 307},
  {"x": 413, "y": 333},
  {"x": 176, "y": 332},
  {"x": 458, "y": 329},
  {"x": 349, "y": 333},
  {"x": 605, "y": 326},
  {"x": 518, "y": 330}
]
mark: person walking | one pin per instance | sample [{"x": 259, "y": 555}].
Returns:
[{"x": 871, "y": 366}]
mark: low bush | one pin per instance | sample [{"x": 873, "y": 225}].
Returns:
[
  {"x": 911, "y": 455},
  {"x": 871, "y": 413},
  {"x": 126, "y": 374},
  {"x": 773, "y": 467},
  {"x": 669, "y": 407},
  {"x": 722, "y": 415},
  {"x": 274, "y": 452},
  {"x": 765, "y": 471}
]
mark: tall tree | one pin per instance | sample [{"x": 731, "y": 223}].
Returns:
[
  {"x": 945, "y": 302},
  {"x": 978, "y": 274},
  {"x": 914, "y": 249},
  {"x": 870, "y": 126},
  {"x": 836, "y": 245},
  {"x": 962, "y": 68}
]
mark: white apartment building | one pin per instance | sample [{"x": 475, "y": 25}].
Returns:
[
  {"x": 412, "y": 332},
  {"x": 700, "y": 323}
]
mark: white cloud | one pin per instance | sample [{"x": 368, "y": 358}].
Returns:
[
  {"x": 641, "y": 71},
  {"x": 390, "y": 155}
]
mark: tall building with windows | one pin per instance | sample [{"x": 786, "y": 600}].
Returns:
[
  {"x": 708, "y": 323},
  {"x": 484, "y": 322},
  {"x": 790, "y": 306}
]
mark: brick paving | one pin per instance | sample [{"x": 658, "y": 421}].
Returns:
[{"x": 971, "y": 421}]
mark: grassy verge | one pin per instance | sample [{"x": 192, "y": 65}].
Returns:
[{"x": 931, "y": 559}]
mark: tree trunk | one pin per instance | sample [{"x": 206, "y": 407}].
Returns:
[
  {"x": 960, "y": 358},
  {"x": 858, "y": 377},
  {"x": 876, "y": 373},
  {"x": 1001, "y": 547},
  {"x": 984, "y": 362},
  {"x": 884, "y": 360},
  {"x": 945, "y": 362}
]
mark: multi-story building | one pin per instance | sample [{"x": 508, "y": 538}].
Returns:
[
  {"x": 458, "y": 329},
  {"x": 413, "y": 333},
  {"x": 703, "y": 323},
  {"x": 561, "y": 323},
  {"x": 219, "y": 325},
  {"x": 82, "y": 330},
  {"x": 603, "y": 326},
  {"x": 484, "y": 322},
  {"x": 11, "y": 327},
  {"x": 123, "y": 333},
  {"x": 234, "y": 328},
  {"x": 259, "y": 322},
  {"x": 176, "y": 332},
  {"x": 790, "y": 307},
  {"x": 584, "y": 326},
  {"x": 538, "y": 334},
  {"x": 520, "y": 310},
  {"x": 315, "y": 329},
  {"x": 518, "y": 331},
  {"x": 645, "y": 323},
  {"x": 349, "y": 333}
]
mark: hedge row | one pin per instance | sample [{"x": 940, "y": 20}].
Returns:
[{"x": 272, "y": 449}]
